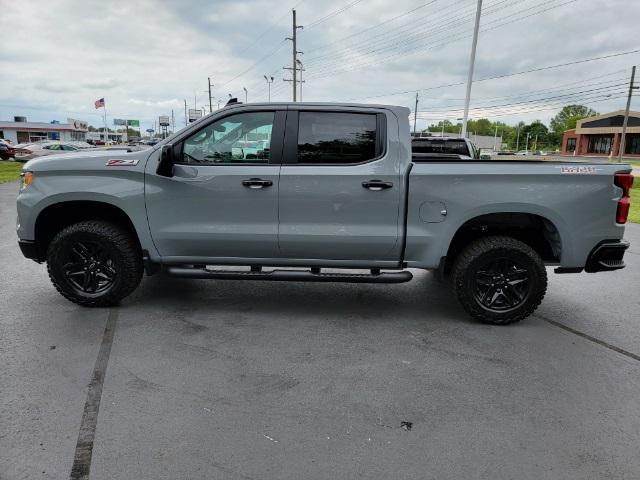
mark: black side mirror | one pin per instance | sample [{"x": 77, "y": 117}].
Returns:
[{"x": 167, "y": 160}]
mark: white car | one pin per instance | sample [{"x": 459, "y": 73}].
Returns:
[{"x": 27, "y": 151}]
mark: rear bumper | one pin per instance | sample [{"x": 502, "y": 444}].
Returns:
[
  {"x": 28, "y": 249},
  {"x": 607, "y": 256}
]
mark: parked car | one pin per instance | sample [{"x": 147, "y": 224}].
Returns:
[
  {"x": 27, "y": 151},
  {"x": 7, "y": 151},
  {"x": 341, "y": 190}
]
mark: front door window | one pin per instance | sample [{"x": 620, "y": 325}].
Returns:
[{"x": 244, "y": 138}]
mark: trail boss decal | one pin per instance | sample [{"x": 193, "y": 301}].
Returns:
[
  {"x": 115, "y": 162},
  {"x": 580, "y": 170}
]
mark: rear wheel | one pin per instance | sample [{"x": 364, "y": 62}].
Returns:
[
  {"x": 94, "y": 263},
  {"x": 499, "y": 280}
]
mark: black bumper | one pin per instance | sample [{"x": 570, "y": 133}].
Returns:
[
  {"x": 607, "y": 256},
  {"x": 28, "y": 249}
]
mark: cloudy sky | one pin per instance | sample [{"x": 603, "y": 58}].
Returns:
[{"x": 145, "y": 57}]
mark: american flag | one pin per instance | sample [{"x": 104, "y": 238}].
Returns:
[{"x": 99, "y": 103}]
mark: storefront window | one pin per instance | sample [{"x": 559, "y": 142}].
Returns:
[
  {"x": 600, "y": 144},
  {"x": 571, "y": 144},
  {"x": 632, "y": 143}
]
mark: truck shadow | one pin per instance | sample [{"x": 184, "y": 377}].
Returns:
[{"x": 422, "y": 298}]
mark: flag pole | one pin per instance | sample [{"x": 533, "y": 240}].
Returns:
[{"x": 106, "y": 130}]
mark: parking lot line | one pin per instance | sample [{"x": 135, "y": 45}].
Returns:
[
  {"x": 86, "y": 435},
  {"x": 586, "y": 336}
]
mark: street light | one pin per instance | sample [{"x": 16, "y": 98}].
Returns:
[
  {"x": 269, "y": 82},
  {"x": 246, "y": 94}
]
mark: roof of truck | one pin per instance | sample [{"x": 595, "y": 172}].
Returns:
[{"x": 323, "y": 105}]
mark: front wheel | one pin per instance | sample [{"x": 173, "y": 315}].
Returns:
[
  {"x": 499, "y": 280},
  {"x": 94, "y": 263}
]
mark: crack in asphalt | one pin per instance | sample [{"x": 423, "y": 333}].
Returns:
[
  {"x": 86, "y": 435},
  {"x": 586, "y": 336}
]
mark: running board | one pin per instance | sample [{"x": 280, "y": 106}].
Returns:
[{"x": 291, "y": 275}]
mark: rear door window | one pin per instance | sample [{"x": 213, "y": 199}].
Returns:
[
  {"x": 454, "y": 147},
  {"x": 337, "y": 138}
]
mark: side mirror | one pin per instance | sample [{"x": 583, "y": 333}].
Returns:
[{"x": 167, "y": 160}]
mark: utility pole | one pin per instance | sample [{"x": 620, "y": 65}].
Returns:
[
  {"x": 415, "y": 114},
  {"x": 495, "y": 137},
  {"x": 173, "y": 123},
  {"x": 536, "y": 143},
  {"x": 626, "y": 114},
  {"x": 301, "y": 81},
  {"x": 210, "y": 103},
  {"x": 269, "y": 85},
  {"x": 518, "y": 139},
  {"x": 294, "y": 67},
  {"x": 526, "y": 147},
  {"x": 186, "y": 122},
  {"x": 472, "y": 61}
]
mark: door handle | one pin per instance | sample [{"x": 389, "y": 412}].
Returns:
[
  {"x": 377, "y": 185},
  {"x": 256, "y": 183}
]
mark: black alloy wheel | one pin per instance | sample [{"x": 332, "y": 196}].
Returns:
[
  {"x": 501, "y": 284},
  {"x": 89, "y": 268},
  {"x": 499, "y": 280},
  {"x": 95, "y": 263}
]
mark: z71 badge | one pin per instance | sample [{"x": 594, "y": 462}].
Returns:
[
  {"x": 579, "y": 170},
  {"x": 121, "y": 163}
]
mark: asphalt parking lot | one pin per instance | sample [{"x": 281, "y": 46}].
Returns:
[{"x": 192, "y": 379}]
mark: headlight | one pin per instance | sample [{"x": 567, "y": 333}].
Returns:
[{"x": 26, "y": 179}]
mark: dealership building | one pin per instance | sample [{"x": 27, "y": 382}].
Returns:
[
  {"x": 21, "y": 131},
  {"x": 600, "y": 135}
]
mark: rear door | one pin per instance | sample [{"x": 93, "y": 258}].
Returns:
[
  {"x": 222, "y": 201},
  {"x": 339, "y": 187}
]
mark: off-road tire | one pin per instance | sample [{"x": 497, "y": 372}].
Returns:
[
  {"x": 117, "y": 243},
  {"x": 468, "y": 267}
]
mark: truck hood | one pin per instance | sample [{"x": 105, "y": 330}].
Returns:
[{"x": 84, "y": 160}]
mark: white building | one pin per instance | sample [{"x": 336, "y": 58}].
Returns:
[{"x": 21, "y": 131}]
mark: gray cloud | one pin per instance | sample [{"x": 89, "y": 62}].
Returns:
[{"x": 146, "y": 57}]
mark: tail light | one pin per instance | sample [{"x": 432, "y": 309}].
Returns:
[{"x": 625, "y": 182}]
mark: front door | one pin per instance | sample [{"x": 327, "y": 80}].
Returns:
[
  {"x": 339, "y": 188},
  {"x": 222, "y": 201}
]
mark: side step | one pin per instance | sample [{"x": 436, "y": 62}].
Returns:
[{"x": 291, "y": 275}]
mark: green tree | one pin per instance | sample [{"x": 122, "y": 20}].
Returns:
[
  {"x": 538, "y": 135},
  {"x": 566, "y": 119},
  {"x": 448, "y": 127}
]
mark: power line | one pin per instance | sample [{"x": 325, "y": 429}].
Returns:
[
  {"x": 405, "y": 51},
  {"x": 513, "y": 110},
  {"x": 609, "y": 88},
  {"x": 561, "y": 87},
  {"x": 333, "y": 14},
  {"x": 395, "y": 33},
  {"x": 504, "y": 75},
  {"x": 370, "y": 28}
]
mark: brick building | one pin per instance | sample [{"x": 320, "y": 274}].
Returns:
[{"x": 600, "y": 136}]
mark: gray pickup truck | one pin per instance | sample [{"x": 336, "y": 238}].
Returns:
[{"x": 287, "y": 191}]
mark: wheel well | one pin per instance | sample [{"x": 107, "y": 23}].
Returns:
[
  {"x": 58, "y": 216},
  {"x": 534, "y": 230}
]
